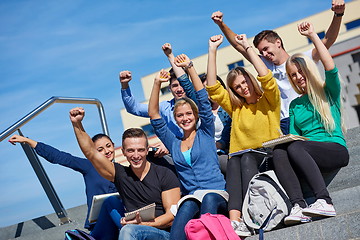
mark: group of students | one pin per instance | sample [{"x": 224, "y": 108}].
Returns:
[{"x": 204, "y": 122}]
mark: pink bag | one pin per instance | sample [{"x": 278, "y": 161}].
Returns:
[{"x": 210, "y": 227}]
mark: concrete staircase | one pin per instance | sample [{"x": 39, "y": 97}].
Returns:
[
  {"x": 344, "y": 190},
  {"x": 46, "y": 227}
]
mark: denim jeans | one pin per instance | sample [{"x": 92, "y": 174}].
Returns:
[
  {"x": 141, "y": 232},
  {"x": 108, "y": 223},
  {"x": 190, "y": 208}
]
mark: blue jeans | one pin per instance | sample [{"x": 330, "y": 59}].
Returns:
[
  {"x": 212, "y": 203},
  {"x": 108, "y": 224},
  {"x": 141, "y": 232}
]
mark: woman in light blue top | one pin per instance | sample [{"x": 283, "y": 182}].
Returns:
[{"x": 194, "y": 155}]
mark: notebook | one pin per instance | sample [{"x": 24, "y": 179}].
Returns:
[
  {"x": 283, "y": 139},
  {"x": 96, "y": 205},
  {"x": 246, "y": 151},
  {"x": 147, "y": 213}
]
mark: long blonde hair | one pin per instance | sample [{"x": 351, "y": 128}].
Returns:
[
  {"x": 235, "y": 98},
  {"x": 315, "y": 89}
]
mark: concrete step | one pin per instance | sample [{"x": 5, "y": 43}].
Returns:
[
  {"x": 346, "y": 225},
  {"x": 45, "y": 227}
]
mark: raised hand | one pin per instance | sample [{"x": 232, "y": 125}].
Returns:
[
  {"x": 182, "y": 60},
  {"x": 162, "y": 76},
  {"x": 306, "y": 29},
  {"x": 125, "y": 76},
  {"x": 242, "y": 40},
  {"x": 215, "y": 41},
  {"x": 338, "y": 6},
  {"x": 217, "y": 17},
  {"x": 77, "y": 114},
  {"x": 167, "y": 49}
]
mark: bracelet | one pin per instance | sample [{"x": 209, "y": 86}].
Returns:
[
  {"x": 188, "y": 66},
  {"x": 339, "y": 14},
  {"x": 247, "y": 48}
]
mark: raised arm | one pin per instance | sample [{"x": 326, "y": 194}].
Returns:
[
  {"x": 131, "y": 105},
  {"x": 214, "y": 43},
  {"x": 180, "y": 74},
  {"x": 169, "y": 54},
  {"x": 307, "y": 29},
  {"x": 102, "y": 165},
  {"x": 338, "y": 7},
  {"x": 184, "y": 61},
  {"x": 256, "y": 61},
  {"x": 162, "y": 76},
  {"x": 20, "y": 139},
  {"x": 218, "y": 18}
]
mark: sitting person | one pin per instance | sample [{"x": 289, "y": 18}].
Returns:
[
  {"x": 197, "y": 169},
  {"x": 94, "y": 183},
  {"x": 255, "y": 117},
  {"x": 222, "y": 119},
  {"x": 141, "y": 109},
  {"x": 140, "y": 184},
  {"x": 316, "y": 114}
]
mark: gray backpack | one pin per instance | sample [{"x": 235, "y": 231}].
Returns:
[{"x": 266, "y": 202}]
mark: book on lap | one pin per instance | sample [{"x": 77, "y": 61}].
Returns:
[
  {"x": 96, "y": 205},
  {"x": 284, "y": 139},
  {"x": 250, "y": 150},
  {"x": 147, "y": 213}
]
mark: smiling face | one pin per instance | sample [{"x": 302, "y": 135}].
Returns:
[
  {"x": 176, "y": 89},
  {"x": 271, "y": 51},
  {"x": 106, "y": 147},
  {"x": 296, "y": 75},
  {"x": 135, "y": 149},
  {"x": 243, "y": 86},
  {"x": 185, "y": 117}
]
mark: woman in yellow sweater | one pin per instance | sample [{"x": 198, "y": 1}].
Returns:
[{"x": 255, "y": 114}]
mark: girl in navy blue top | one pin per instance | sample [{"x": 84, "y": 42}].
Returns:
[
  {"x": 94, "y": 183},
  {"x": 194, "y": 155}
]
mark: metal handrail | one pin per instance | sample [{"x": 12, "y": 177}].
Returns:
[
  {"x": 47, "y": 104},
  {"x": 32, "y": 156}
]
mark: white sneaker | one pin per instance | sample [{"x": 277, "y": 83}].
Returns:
[
  {"x": 320, "y": 208},
  {"x": 240, "y": 228},
  {"x": 296, "y": 216}
]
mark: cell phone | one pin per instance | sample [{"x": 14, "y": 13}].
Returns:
[{"x": 153, "y": 149}]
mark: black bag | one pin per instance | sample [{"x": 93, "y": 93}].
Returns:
[{"x": 77, "y": 234}]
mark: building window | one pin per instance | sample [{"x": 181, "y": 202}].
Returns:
[
  {"x": 149, "y": 130},
  {"x": 320, "y": 34},
  {"x": 352, "y": 24},
  {"x": 356, "y": 57},
  {"x": 236, "y": 64}
]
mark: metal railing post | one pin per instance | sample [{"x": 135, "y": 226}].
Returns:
[{"x": 45, "y": 182}]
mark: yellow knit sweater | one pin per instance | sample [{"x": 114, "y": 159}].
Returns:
[{"x": 252, "y": 124}]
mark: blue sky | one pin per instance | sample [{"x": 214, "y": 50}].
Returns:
[{"x": 76, "y": 48}]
